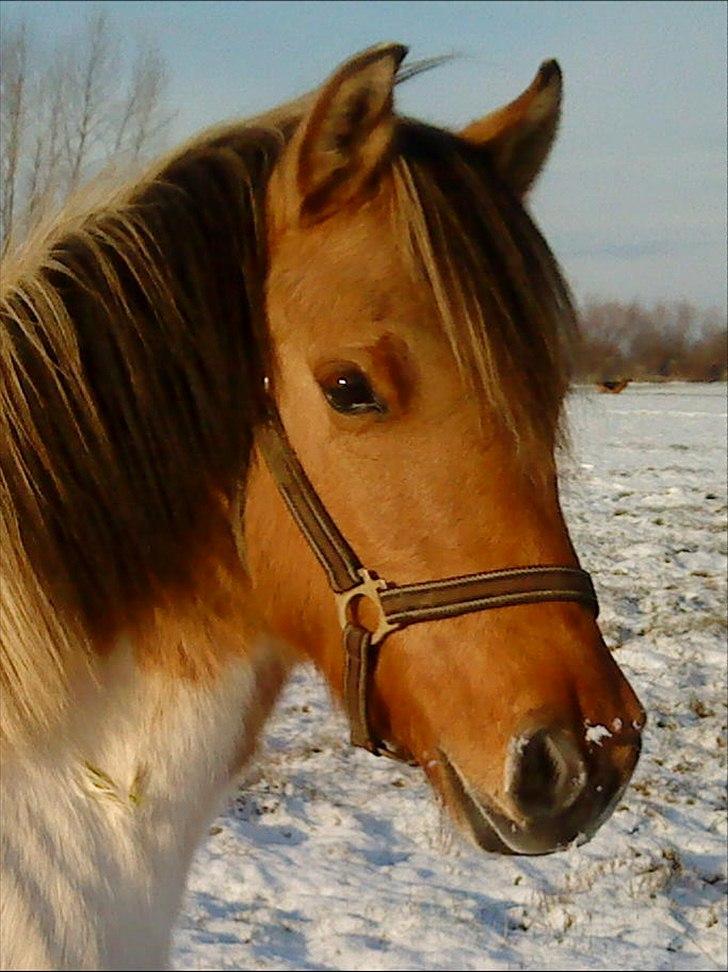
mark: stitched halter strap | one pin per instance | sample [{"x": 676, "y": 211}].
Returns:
[{"x": 397, "y": 605}]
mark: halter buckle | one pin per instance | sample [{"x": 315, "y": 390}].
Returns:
[{"x": 369, "y": 587}]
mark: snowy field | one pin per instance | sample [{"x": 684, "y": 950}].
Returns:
[{"x": 331, "y": 859}]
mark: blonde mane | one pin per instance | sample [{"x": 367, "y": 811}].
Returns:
[{"x": 133, "y": 349}]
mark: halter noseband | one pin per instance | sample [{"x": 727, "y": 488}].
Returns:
[{"x": 398, "y": 605}]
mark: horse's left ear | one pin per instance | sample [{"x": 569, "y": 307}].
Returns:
[
  {"x": 519, "y": 136},
  {"x": 344, "y": 137}
]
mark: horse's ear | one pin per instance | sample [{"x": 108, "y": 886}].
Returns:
[
  {"x": 344, "y": 137},
  {"x": 519, "y": 136}
]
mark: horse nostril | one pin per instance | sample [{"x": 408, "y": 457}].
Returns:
[{"x": 545, "y": 772}]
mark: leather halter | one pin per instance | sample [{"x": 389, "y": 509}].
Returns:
[{"x": 398, "y": 605}]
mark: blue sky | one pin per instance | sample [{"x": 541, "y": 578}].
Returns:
[{"x": 634, "y": 198}]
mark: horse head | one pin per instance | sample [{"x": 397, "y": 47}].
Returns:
[{"x": 419, "y": 329}]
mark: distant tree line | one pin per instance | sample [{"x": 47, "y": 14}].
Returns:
[{"x": 667, "y": 341}]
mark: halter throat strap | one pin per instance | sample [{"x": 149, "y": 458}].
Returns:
[{"x": 397, "y": 605}]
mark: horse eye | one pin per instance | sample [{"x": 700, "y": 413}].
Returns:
[{"x": 349, "y": 391}]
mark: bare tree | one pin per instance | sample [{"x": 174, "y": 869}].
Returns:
[
  {"x": 13, "y": 114},
  {"x": 45, "y": 179},
  {"x": 68, "y": 115},
  {"x": 140, "y": 119},
  {"x": 88, "y": 84}
]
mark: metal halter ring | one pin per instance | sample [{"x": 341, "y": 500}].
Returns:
[{"x": 369, "y": 587}]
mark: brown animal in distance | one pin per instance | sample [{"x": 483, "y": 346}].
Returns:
[{"x": 613, "y": 387}]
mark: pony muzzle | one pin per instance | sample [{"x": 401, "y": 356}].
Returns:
[{"x": 556, "y": 791}]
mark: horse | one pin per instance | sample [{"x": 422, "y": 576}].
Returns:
[
  {"x": 324, "y": 338},
  {"x": 613, "y": 387}
]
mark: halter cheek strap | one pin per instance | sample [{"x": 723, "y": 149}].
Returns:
[{"x": 397, "y": 605}]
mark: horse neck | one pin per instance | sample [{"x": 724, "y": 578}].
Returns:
[{"x": 101, "y": 817}]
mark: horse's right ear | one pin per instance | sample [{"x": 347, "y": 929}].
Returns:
[{"x": 344, "y": 137}]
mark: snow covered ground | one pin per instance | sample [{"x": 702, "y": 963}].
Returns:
[{"x": 331, "y": 859}]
